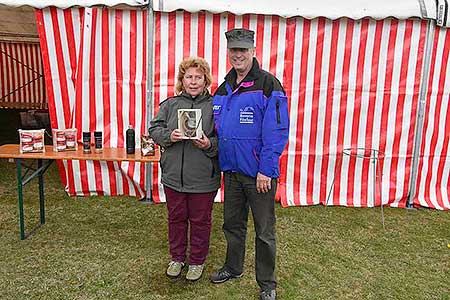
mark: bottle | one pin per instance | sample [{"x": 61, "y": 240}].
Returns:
[
  {"x": 98, "y": 141},
  {"x": 130, "y": 140},
  {"x": 87, "y": 142}
]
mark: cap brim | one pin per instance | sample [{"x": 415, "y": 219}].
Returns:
[{"x": 240, "y": 44}]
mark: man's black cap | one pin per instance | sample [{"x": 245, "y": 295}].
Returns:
[{"x": 240, "y": 38}]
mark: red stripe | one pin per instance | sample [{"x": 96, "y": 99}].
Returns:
[
  {"x": 201, "y": 34},
  {"x": 144, "y": 92},
  {"x": 69, "y": 23},
  {"x": 133, "y": 53},
  {"x": 371, "y": 108},
  {"x": 79, "y": 110},
  {"x": 426, "y": 120},
  {"x": 93, "y": 110},
  {"x": 186, "y": 34},
  {"x": 301, "y": 106},
  {"x": 37, "y": 84},
  {"x": 106, "y": 82},
  {"x": 132, "y": 87},
  {"x": 291, "y": 28},
  {"x": 156, "y": 97},
  {"x": 69, "y": 176},
  {"x": 357, "y": 113},
  {"x": 315, "y": 111},
  {"x": 231, "y": 23},
  {"x": 437, "y": 122},
  {"x": 119, "y": 90},
  {"x": 246, "y": 21},
  {"x": 48, "y": 79},
  {"x": 343, "y": 106},
  {"x": 27, "y": 76},
  {"x": 274, "y": 45},
  {"x": 260, "y": 37},
  {"x": 119, "y": 78},
  {"x": 61, "y": 68},
  {"x": 16, "y": 77},
  {"x": 415, "y": 102},
  {"x": 9, "y": 74},
  {"x": 215, "y": 52},
  {"x": 171, "y": 51},
  {"x": 400, "y": 107},
  {"x": 443, "y": 154},
  {"x": 388, "y": 87},
  {"x": 2, "y": 75},
  {"x": 335, "y": 24}
]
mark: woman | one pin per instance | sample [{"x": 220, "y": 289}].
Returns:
[{"x": 190, "y": 170}]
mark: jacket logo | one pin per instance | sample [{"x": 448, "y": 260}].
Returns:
[
  {"x": 216, "y": 107},
  {"x": 246, "y": 115},
  {"x": 247, "y": 84}
]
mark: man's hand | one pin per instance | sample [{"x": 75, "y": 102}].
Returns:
[
  {"x": 203, "y": 142},
  {"x": 263, "y": 183},
  {"x": 176, "y": 136}
]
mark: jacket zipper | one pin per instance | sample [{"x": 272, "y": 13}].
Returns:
[{"x": 278, "y": 112}]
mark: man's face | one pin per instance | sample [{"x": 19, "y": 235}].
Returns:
[{"x": 241, "y": 59}]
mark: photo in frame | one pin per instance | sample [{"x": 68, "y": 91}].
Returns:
[{"x": 190, "y": 123}]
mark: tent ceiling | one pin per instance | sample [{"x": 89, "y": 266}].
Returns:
[
  {"x": 355, "y": 9},
  {"x": 70, "y": 3}
]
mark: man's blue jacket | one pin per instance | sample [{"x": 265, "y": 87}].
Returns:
[{"x": 252, "y": 123}]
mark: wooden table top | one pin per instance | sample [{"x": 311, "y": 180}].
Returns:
[{"x": 108, "y": 154}]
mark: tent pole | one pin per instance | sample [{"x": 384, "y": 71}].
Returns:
[
  {"x": 429, "y": 39},
  {"x": 149, "y": 94}
]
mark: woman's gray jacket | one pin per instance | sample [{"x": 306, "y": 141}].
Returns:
[{"x": 185, "y": 167}]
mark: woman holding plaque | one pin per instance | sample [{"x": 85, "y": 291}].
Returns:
[{"x": 184, "y": 129}]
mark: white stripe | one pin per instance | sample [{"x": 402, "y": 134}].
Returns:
[
  {"x": 208, "y": 36},
  {"x": 267, "y": 37},
  {"x": 294, "y": 113},
  {"x": 114, "y": 130},
  {"x": 194, "y": 34},
  {"x": 222, "y": 54},
  {"x": 164, "y": 58},
  {"x": 335, "y": 157}
]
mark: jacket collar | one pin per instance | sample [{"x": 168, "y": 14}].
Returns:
[
  {"x": 251, "y": 76},
  {"x": 198, "y": 99}
]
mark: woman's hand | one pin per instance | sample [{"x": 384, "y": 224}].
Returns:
[
  {"x": 203, "y": 142},
  {"x": 176, "y": 136}
]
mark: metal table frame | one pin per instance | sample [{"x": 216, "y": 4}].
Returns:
[{"x": 45, "y": 159}]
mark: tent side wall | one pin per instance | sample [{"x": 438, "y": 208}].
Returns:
[
  {"x": 351, "y": 84},
  {"x": 433, "y": 180},
  {"x": 95, "y": 72},
  {"x": 338, "y": 76}
]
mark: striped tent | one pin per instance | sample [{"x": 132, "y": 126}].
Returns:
[{"x": 356, "y": 75}]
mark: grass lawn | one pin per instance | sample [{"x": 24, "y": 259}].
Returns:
[{"x": 116, "y": 248}]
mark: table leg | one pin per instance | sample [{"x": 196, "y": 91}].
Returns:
[
  {"x": 41, "y": 192},
  {"x": 20, "y": 194}
]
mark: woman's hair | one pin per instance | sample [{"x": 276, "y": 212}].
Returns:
[{"x": 193, "y": 62}]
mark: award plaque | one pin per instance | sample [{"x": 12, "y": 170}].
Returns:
[{"x": 190, "y": 123}]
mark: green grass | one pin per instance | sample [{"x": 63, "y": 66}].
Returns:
[{"x": 116, "y": 248}]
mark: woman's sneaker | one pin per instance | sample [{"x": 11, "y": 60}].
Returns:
[
  {"x": 195, "y": 272},
  {"x": 174, "y": 268}
]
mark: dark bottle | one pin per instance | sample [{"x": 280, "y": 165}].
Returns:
[{"x": 130, "y": 140}]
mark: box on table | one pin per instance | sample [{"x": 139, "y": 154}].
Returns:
[
  {"x": 64, "y": 139},
  {"x": 31, "y": 140}
]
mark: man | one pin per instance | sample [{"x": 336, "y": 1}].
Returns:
[{"x": 251, "y": 118}]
